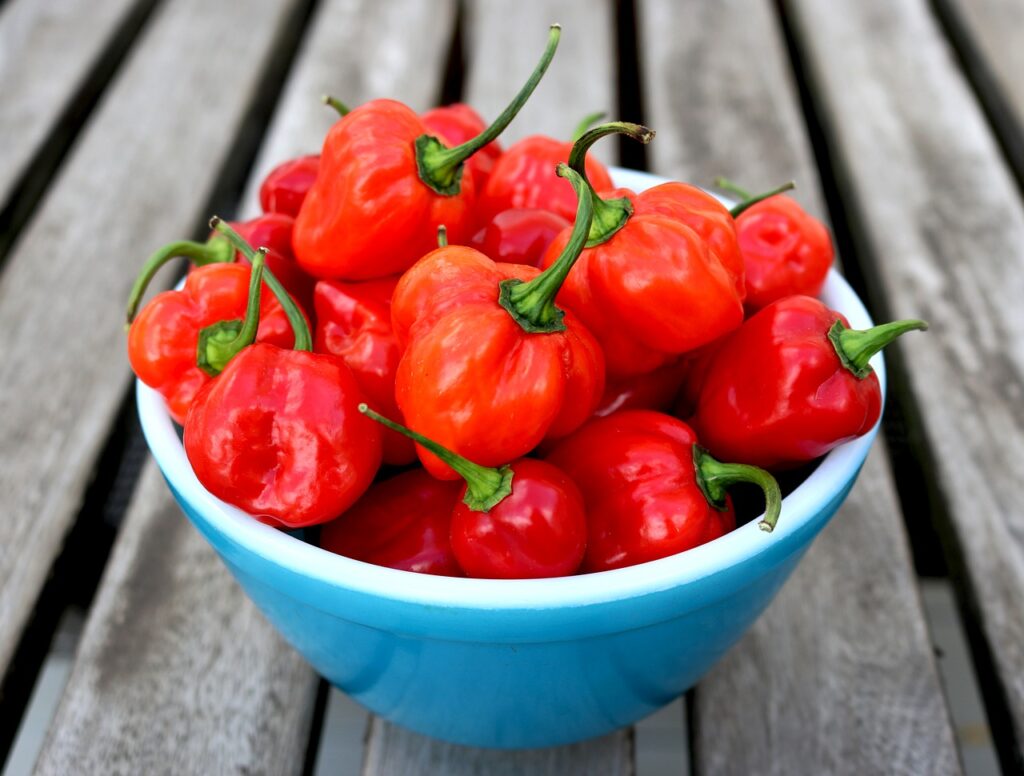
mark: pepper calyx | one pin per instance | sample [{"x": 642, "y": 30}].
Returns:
[{"x": 713, "y": 477}]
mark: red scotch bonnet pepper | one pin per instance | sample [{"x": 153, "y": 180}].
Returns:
[
  {"x": 790, "y": 384},
  {"x": 520, "y": 521},
  {"x": 650, "y": 490},
  {"x": 278, "y": 433},
  {"x": 384, "y": 186},
  {"x": 285, "y": 187},
  {"x": 491, "y": 366}
]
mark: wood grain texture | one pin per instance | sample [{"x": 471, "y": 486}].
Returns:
[
  {"x": 936, "y": 208},
  {"x": 504, "y": 40},
  {"x": 392, "y": 751},
  {"x": 838, "y": 676},
  {"x": 44, "y": 57},
  {"x": 136, "y": 178},
  {"x": 497, "y": 64},
  {"x": 177, "y": 671}
]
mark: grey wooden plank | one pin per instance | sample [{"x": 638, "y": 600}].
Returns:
[
  {"x": 504, "y": 39},
  {"x": 392, "y": 751},
  {"x": 499, "y": 56},
  {"x": 137, "y": 176},
  {"x": 160, "y": 684},
  {"x": 938, "y": 210},
  {"x": 46, "y": 52},
  {"x": 838, "y": 676}
]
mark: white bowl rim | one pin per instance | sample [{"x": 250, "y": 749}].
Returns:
[{"x": 743, "y": 544}]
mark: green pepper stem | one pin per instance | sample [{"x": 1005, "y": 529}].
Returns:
[
  {"x": 338, "y": 105},
  {"x": 532, "y": 304},
  {"x": 610, "y": 215},
  {"x": 485, "y": 486},
  {"x": 216, "y": 250},
  {"x": 586, "y": 123},
  {"x": 222, "y": 341},
  {"x": 303, "y": 338},
  {"x": 442, "y": 236},
  {"x": 855, "y": 347},
  {"x": 713, "y": 477},
  {"x": 748, "y": 199},
  {"x": 440, "y": 167}
]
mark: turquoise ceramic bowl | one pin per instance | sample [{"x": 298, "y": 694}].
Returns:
[{"x": 523, "y": 663}]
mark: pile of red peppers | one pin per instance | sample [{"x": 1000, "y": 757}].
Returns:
[{"x": 469, "y": 360}]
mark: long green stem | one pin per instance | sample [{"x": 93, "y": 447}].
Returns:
[
  {"x": 216, "y": 250},
  {"x": 532, "y": 304},
  {"x": 855, "y": 347},
  {"x": 748, "y": 199},
  {"x": 440, "y": 167},
  {"x": 222, "y": 341},
  {"x": 485, "y": 486},
  {"x": 714, "y": 477},
  {"x": 610, "y": 215},
  {"x": 303, "y": 338}
]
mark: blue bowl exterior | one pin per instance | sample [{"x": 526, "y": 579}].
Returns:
[{"x": 515, "y": 678}]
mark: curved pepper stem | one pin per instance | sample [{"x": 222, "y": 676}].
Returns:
[
  {"x": 610, "y": 215},
  {"x": 586, "y": 123},
  {"x": 532, "y": 304},
  {"x": 748, "y": 199},
  {"x": 303, "y": 338},
  {"x": 714, "y": 477},
  {"x": 855, "y": 347},
  {"x": 440, "y": 167},
  {"x": 216, "y": 250},
  {"x": 333, "y": 102},
  {"x": 485, "y": 486},
  {"x": 222, "y": 341}
]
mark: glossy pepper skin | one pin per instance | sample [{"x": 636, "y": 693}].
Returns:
[
  {"x": 353, "y": 321},
  {"x": 163, "y": 338},
  {"x": 491, "y": 367},
  {"x": 278, "y": 435},
  {"x": 523, "y": 520},
  {"x": 650, "y": 391},
  {"x": 647, "y": 286},
  {"x": 781, "y": 390},
  {"x": 384, "y": 186},
  {"x": 403, "y": 522},
  {"x": 520, "y": 235},
  {"x": 285, "y": 187},
  {"x": 524, "y": 177},
  {"x": 459, "y": 123},
  {"x": 649, "y": 490}
]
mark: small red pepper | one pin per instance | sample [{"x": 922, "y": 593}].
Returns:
[
  {"x": 647, "y": 286},
  {"x": 459, "y": 123},
  {"x": 650, "y": 490},
  {"x": 278, "y": 433},
  {"x": 353, "y": 320},
  {"x": 650, "y": 391},
  {"x": 524, "y": 178},
  {"x": 790, "y": 384},
  {"x": 786, "y": 251},
  {"x": 286, "y": 186},
  {"x": 403, "y": 522},
  {"x": 524, "y": 520},
  {"x": 491, "y": 366},
  {"x": 520, "y": 235},
  {"x": 385, "y": 184}
]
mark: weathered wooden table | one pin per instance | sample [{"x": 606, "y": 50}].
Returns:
[{"x": 126, "y": 123}]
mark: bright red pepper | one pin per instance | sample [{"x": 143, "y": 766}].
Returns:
[
  {"x": 790, "y": 384},
  {"x": 647, "y": 286},
  {"x": 385, "y": 184},
  {"x": 403, "y": 522},
  {"x": 520, "y": 235},
  {"x": 523, "y": 520},
  {"x": 278, "y": 433},
  {"x": 353, "y": 320},
  {"x": 650, "y": 490},
  {"x": 459, "y": 123},
  {"x": 650, "y": 391},
  {"x": 286, "y": 186},
  {"x": 491, "y": 367}
]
